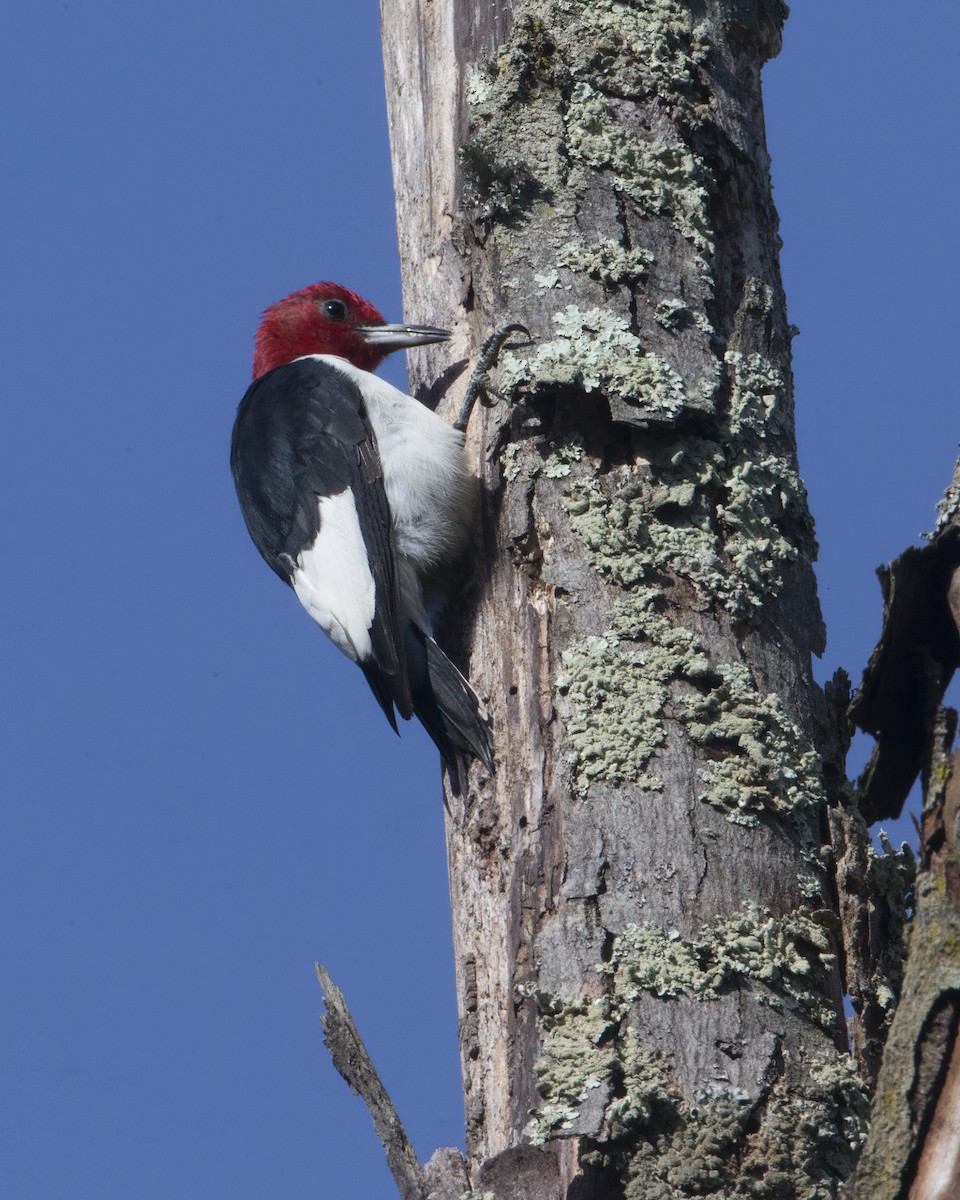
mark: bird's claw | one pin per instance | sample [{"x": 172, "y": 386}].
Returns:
[{"x": 477, "y": 388}]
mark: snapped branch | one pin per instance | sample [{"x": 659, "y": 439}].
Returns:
[{"x": 351, "y": 1059}]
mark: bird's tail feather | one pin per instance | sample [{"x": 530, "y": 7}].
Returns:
[
  {"x": 380, "y": 686},
  {"x": 450, "y": 711}
]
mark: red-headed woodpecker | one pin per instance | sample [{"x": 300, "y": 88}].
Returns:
[{"x": 358, "y": 497}]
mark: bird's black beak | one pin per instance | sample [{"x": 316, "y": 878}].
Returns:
[{"x": 400, "y": 337}]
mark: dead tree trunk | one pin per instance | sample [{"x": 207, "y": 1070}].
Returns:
[
  {"x": 648, "y": 987},
  {"x": 913, "y": 1150}
]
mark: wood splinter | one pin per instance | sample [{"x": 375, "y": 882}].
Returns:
[{"x": 351, "y": 1059}]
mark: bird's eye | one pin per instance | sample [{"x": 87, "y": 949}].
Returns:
[{"x": 336, "y": 310}]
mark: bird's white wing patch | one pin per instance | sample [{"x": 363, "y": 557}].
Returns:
[{"x": 332, "y": 579}]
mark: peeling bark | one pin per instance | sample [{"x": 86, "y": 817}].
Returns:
[
  {"x": 913, "y": 1152},
  {"x": 911, "y": 667}
]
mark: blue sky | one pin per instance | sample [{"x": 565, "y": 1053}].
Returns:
[{"x": 190, "y": 771}]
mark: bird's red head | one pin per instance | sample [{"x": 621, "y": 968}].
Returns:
[
  {"x": 320, "y": 319},
  {"x": 326, "y": 318}
]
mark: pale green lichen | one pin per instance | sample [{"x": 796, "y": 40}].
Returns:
[
  {"x": 789, "y": 1145},
  {"x": 547, "y": 119},
  {"x": 549, "y": 279},
  {"x": 948, "y": 507},
  {"x": 671, "y": 312},
  {"x": 787, "y": 955},
  {"x": 793, "y": 1141},
  {"x": 608, "y": 261},
  {"x": 616, "y": 687},
  {"x": 509, "y": 465},
  {"x": 594, "y": 1076},
  {"x": 478, "y": 87},
  {"x": 764, "y": 496},
  {"x": 559, "y": 462},
  {"x": 729, "y": 520},
  {"x": 646, "y": 1088},
  {"x": 561, "y": 76},
  {"x": 653, "y": 44},
  {"x": 891, "y": 878},
  {"x": 757, "y": 399},
  {"x": 580, "y": 1058},
  {"x": 768, "y": 763},
  {"x": 630, "y": 543},
  {"x": 628, "y": 48},
  {"x": 663, "y": 179},
  {"x": 616, "y": 698},
  {"x": 756, "y": 547},
  {"x": 594, "y": 349},
  {"x": 736, "y": 548},
  {"x": 840, "y": 1078}
]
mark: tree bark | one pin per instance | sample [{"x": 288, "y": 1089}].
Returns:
[
  {"x": 913, "y": 1150},
  {"x": 644, "y": 917}
]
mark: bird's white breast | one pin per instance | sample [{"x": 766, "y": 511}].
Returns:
[{"x": 429, "y": 488}]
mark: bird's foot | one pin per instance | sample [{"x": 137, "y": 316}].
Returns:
[{"x": 479, "y": 388}]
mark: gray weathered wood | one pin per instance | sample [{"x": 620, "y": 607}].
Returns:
[
  {"x": 351, "y": 1059},
  {"x": 913, "y": 1151},
  {"x": 644, "y": 926},
  {"x": 914, "y": 1145}
]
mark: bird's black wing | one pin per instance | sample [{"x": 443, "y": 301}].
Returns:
[{"x": 310, "y": 485}]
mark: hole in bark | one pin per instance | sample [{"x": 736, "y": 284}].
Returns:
[{"x": 595, "y": 1182}]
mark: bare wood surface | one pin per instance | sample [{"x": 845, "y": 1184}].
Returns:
[
  {"x": 351, "y": 1059},
  {"x": 938, "y": 1171}
]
